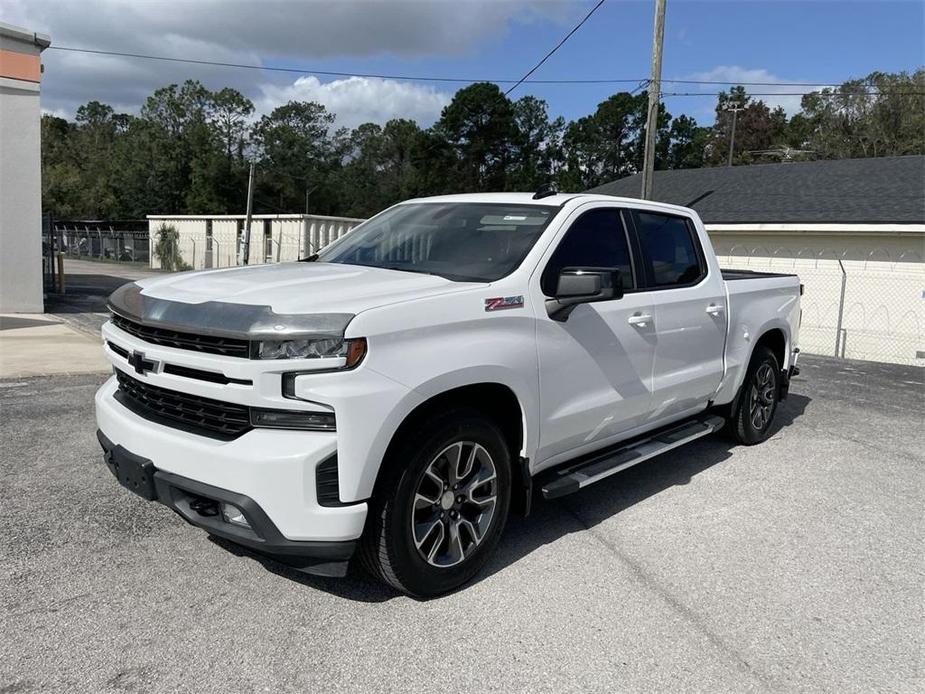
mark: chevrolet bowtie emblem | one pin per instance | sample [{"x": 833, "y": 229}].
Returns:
[{"x": 140, "y": 363}]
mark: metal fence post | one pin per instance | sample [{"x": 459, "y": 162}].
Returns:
[{"x": 841, "y": 307}]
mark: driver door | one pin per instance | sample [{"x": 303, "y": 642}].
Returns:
[{"x": 596, "y": 366}]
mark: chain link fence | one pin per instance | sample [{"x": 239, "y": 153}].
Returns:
[
  {"x": 867, "y": 306},
  {"x": 119, "y": 241},
  {"x": 216, "y": 242}
]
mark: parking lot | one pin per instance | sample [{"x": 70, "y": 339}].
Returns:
[{"x": 796, "y": 565}]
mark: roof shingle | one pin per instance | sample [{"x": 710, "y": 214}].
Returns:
[{"x": 874, "y": 190}]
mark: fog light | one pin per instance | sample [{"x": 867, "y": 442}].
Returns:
[
  {"x": 232, "y": 514},
  {"x": 293, "y": 419}
]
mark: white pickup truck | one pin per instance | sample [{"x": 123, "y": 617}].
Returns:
[{"x": 397, "y": 394}]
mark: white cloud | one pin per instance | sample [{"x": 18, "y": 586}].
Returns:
[
  {"x": 358, "y": 100},
  {"x": 773, "y": 94},
  {"x": 253, "y": 32}
]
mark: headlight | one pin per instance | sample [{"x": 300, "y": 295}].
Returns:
[{"x": 312, "y": 348}]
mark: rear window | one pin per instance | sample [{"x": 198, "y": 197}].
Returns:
[{"x": 670, "y": 249}]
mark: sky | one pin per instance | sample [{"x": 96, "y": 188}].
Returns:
[{"x": 826, "y": 41}]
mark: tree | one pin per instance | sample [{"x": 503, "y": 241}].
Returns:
[
  {"x": 609, "y": 144},
  {"x": 879, "y": 115},
  {"x": 757, "y": 129},
  {"x": 228, "y": 114},
  {"x": 167, "y": 248},
  {"x": 297, "y": 153},
  {"x": 478, "y": 124},
  {"x": 537, "y": 144},
  {"x": 687, "y": 143},
  {"x": 187, "y": 150},
  {"x": 62, "y": 183}
]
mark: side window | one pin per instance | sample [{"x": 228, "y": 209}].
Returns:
[
  {"x": 669, "y": 248},
  {"x": 596, "y": 239}
]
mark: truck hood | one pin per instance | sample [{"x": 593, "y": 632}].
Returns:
[{"x": 300, "y": 288}]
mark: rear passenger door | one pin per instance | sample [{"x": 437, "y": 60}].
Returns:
[{"x": 690, "y": 319}]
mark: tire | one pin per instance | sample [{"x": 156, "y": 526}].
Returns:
[
  {"x": 449, "y": 541},
  {"x": 756, "y": 404}
]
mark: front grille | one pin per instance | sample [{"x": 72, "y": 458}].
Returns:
[
  {"x": 204, "y": 416},
  {"x": 228, "y": 346}
]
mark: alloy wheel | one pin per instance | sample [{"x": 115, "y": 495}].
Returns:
[
  {"x": 763, "y": 391},
  {"x": 454, "y": 504}
]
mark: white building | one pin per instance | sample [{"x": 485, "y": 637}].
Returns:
[
  {"x": 20, "y": 170},
  {"x": 211, "y": 241},
  {"x": 854, "y": 230}
]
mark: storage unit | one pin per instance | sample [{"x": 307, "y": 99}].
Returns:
[
  {"x": 212, "y": 241},
  {"x": 20, "y": 170}
]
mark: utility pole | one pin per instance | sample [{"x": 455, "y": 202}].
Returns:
[
  {"x": 655, "y": 93},
  {"x": 246, "y": 246},
  {"x": 735, "y": 108}
]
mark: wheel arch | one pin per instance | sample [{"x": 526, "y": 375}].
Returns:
[
  {"x": 498, "y": 402},
  {"x": 776, "y": 340}
]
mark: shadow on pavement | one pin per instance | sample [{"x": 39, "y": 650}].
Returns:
[
  {"x": 84, "y": 292},
  {"x": 552, "y": 520}
]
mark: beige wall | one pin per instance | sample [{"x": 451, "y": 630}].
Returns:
[
  {"x": 290, "y": 237},
  {"x": 20, "y": 172},
  {"x": 883, "y": 311}
]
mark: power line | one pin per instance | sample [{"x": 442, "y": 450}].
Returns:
[
  {"x": 818, "y": 93},
  {"x": 753, "y": 84},
  {"x": 332, "y": 73},
  {"x": 556, "y": 47},
  {"x": 459, "y": 80}
]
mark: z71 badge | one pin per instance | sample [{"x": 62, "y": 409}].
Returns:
[{"x": 502, "y": 302}]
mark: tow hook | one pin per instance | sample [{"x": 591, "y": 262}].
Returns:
[{"x": 204, "y": 507}]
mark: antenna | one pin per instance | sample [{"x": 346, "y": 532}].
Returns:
[{"x": 545, "y": 190}]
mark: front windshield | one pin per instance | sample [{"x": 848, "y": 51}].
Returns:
[{"x": 461, "y": 241}]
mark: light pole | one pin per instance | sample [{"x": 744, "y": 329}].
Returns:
[
  {"x": 655, "y": 92},
  {"x": 246, "y": 245},
  {"x": 735, "y": 108}
]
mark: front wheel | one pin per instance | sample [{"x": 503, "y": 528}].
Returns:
[
  {"x": 753, "y": 413},
  {"x": 441, "y": 505}
]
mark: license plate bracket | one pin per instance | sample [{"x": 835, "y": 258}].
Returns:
[{"x": 133, "y": 472}]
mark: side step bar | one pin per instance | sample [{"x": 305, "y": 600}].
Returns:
[{"x": 578, "y": 476}]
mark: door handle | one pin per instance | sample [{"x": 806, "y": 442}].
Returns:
[
  {"x": 715, "y": 309},
  {"x": 640, "y": 319}
]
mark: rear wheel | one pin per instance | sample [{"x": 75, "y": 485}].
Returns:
[
  {"x": 753, "y": 413},
  {"x": 441, "y": 505}
]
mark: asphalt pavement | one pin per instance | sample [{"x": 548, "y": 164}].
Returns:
[
  {"x": 88, "y": 284},
  {"x": 795, "y": 565}
]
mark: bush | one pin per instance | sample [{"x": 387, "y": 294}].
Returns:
[{"x": 167, "y": 249}]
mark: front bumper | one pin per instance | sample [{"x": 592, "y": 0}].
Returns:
[
  {"x": 273, "y": 468},
  {"x": 199, "y": 504}
]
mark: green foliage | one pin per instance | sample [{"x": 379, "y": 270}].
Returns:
[
  {"x": 188, "y": 150},
  {"x": 167, "y": 249}
]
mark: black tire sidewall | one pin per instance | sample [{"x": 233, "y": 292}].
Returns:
[
  {"x": 413, "y": 572},
  {"x": 745, "y": 430}
]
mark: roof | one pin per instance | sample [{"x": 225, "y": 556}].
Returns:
[
  {"x": 290, "y": 216},
  {"x": 859, "y": 191},
  {"x": 502, "y": 198},
  {"x": 556, "y": 200},
  {"x": 11, "y": 31}
]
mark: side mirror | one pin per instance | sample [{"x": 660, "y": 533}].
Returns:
[{"x": 583, "y": 285}]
